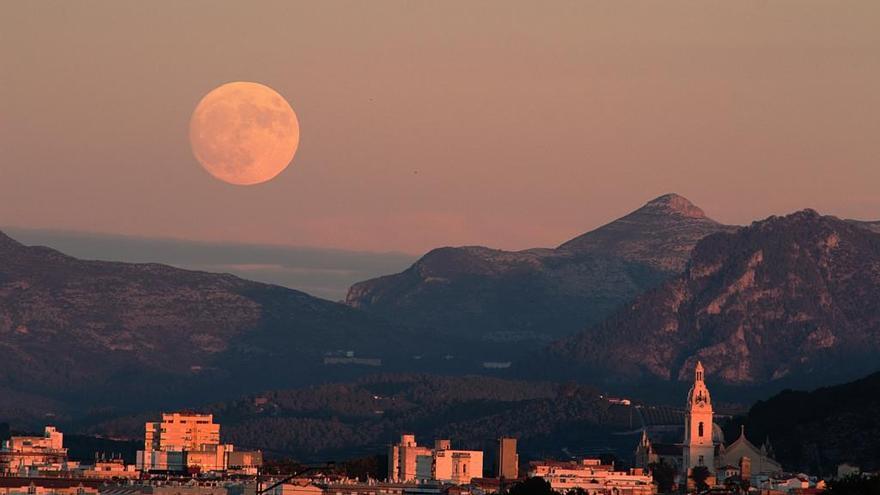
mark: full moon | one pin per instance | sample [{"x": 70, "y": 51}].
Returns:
[{"x": 244, "y": 133}]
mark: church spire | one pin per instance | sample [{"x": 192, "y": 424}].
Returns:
[
  {"x": 699, "y": 445},
  {"x": 768, "y": 447},
  {"x": 698, "y": 393}
]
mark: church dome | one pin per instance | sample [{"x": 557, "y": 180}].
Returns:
[{"x": 717, "y": 434}]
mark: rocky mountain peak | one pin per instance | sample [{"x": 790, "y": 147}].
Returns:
[
  {"x": 661, "y": 234},
  {"x": 675, "y": 205},
  {"x": 490, "y": 296},
  {"x": 785, "y": 298}
]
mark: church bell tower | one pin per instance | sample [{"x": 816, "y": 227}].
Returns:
[{"x": 699, "y": 449}]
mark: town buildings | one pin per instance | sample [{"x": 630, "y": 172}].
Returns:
[
  {"x": 190, "y": 442},
  {"x": 402, "y": 459},
  {"x": 703, "y": 444},
  {"x": 108, "y": 469},
  {"x": 182, "y": 431},
  {"x": 408, "y": 462},
  {"x": 183, "y": 446},
  {"x": 25, "y": 455},
  {"x": 456, "y": 467},
  {"x": 593, "y": 477},
  {"x": 47, "y": 486}
]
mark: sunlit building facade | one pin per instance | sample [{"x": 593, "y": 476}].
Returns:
[
  {"x": 402, "y": 459},
  {"x": 410, "y": 462},
  {"x": 183, "y": 442},
  {"x": 182, "y": 431},
  {"x": 25, "y": 454},
  {"x": 593, "y": 477},
  {"x": 508, "y": 460}
]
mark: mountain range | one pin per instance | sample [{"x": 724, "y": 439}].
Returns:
[
  {"x": 324, "y": 273},
  {"x": 493, "y": 298},
  {"x": 81, "y": 332},
  {"x": 786, "y": 301},
  {"x": 792, "y": 299}
]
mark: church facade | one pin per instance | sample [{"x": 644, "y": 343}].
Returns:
[{"x": 703, "y": 445}]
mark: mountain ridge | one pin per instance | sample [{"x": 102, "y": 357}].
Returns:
[
  {"x": 495, "y": 298},
  {"x": 789, "y": 295},
  {"x": 72, "y": 330},
  {"x": 659, "y": 233}
]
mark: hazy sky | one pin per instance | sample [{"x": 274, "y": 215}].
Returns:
[{"x": 512, "y": 124}]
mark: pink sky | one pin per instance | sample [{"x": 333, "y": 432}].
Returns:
[{"x": 510, "y": 124}]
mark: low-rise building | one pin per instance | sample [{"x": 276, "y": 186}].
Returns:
[
  {"x": 593, "y": 477},
  {"x": 47, "y": 486},
  {"x": 457, "y": 467},
  {"x": 108, "y": 469},
  {"x": 161, "y": 461},
  {"x": 296, "y": 487},
  {"x": 408, "y": 462},
  {"x": 788, "y": 483},
  {"x": 244, "y": 462},
  {"x": 337, "y": 485},
  {"x": 30, "y": 454}
]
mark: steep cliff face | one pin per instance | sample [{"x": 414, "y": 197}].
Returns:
[
  {"x": 788, "y": 296},
  {"x": 496, "y": 296},
  {"x": 74, "y": 329}
]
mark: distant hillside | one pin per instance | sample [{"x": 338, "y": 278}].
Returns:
[
  {"x": 76, "y": 333},
  {"x": 495, "y": 298},
  {"x": 325, "y": 273},
  {"x": 816, "y": 431},
  {"x": 792, "y": 299},
  {"x": 361, "y": 418}
]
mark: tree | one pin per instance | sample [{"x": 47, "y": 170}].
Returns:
[
  {"x": 664, "y": 475},
  {"x": 362, "y": 468},
  {"x": 854, "y": 485},
  {"x": 532, "y": 486},
  {"x": 608, "y": 458},
  {"x": 736, "y": 484},
  {"x": 283, "y": 466},
  {"x": 700, "y": 474}
]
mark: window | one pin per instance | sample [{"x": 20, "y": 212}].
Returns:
[
  {"x": 700, "y": 429},
  {"x": 700, "y": 460}
]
